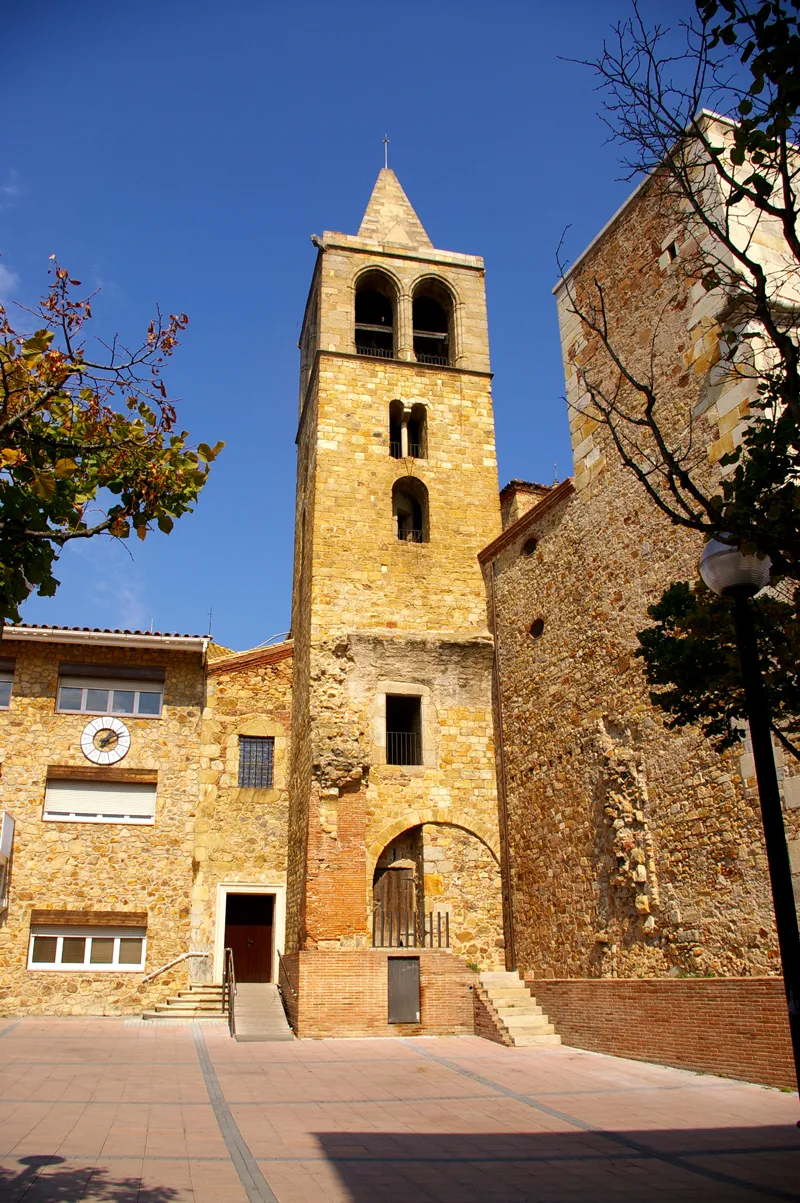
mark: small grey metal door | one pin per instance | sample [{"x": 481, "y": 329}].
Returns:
[{"x": 403, "y": 989}]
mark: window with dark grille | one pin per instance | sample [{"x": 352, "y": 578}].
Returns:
[{"x": 256, "y": 760}]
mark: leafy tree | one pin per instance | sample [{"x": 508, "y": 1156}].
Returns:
[
  {"x": 720, "y": 179},
  {"x": 89, "y": 443},
  {"x": 692, "y": 663}
]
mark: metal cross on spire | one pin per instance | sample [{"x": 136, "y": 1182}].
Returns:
[{"x": 386, "y": 150}]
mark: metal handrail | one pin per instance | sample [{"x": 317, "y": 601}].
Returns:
[
  {"x": 229, "y": 991},
  {"x": 283, "y": 970},
  {"x": 183, "y": 957}
]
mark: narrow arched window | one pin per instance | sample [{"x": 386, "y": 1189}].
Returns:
[
  {"x": 433, "y": 323},
  {"x": 408, "y": 431},
  {"x": 410, "y": 510},
  {"x": 418, "y": 432},
  {"x": 375, "y": 316}
]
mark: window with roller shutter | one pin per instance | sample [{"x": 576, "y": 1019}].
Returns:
[{"x": 100, "y": 801}]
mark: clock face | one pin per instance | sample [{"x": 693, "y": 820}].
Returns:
[{"x": 105, "y": 740}]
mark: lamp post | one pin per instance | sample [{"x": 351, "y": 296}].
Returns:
[{"x": 730, "y": 573}]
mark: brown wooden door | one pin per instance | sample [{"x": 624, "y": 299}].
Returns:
[{"x": 248, "y": 933}]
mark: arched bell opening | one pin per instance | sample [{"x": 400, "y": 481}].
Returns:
[
  {"x": 432, "y": 315},
  {"x": 375, "y": 315}
]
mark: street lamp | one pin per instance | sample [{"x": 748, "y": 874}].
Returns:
[{"x": 729, "y": 572}]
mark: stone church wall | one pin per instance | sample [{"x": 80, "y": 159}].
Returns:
[{"x": 634, "y": 850}]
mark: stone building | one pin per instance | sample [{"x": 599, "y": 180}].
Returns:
[
  {"x": 392, "y": 749},
  {"x": 331, "y": 798},
  {"x": 635, "y": 851},
  {"x": 452, "y": 765}
]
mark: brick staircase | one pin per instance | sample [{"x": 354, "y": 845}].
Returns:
[
  {"x": 198, "y": 1002},
  {"x": 519, "y": 1018}
]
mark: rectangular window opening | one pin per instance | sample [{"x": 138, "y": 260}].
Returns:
[
  {"x": 91, "y": 949},
  {"x": 99, "y": 802},
  {"x": 142, "y": 699},
  {"x": 256, "y": 761},
  {"x": 403, "y": 729}
]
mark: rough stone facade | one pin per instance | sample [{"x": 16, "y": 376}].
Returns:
[
  {"x": 240, "y": 832},
  {"x": 635, "y": 851},
  {"x": 375, "y": 615},
  {"x": 97, "y": 867}
]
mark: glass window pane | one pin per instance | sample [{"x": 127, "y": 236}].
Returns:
[
  {"x": 102, "y": 950},
  {"x": 44, "y": 950},
  {"x": 130, "y": 951},
  {"x": 123, "y": 701},
  {"x": 149, "y": 703},
  {"x": 73, "y": 951},
  {"x": 5, "y": 693},
  {"x": 97, "y": 699},
  {"x": 69, "y": 698}
]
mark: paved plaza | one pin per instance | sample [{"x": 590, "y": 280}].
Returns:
[{"x": 116, "y": 1109}]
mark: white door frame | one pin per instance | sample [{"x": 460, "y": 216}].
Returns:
[{"x": 224, "y": 888}]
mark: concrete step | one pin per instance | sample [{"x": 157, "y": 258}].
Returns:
[
  {"x": 517, "y": 1011},
  {"x": 517, "y": 991},
  {"x": 520, "y": 1008},
  {"x": 201, "y": 992},
  {"x": 182, "y": 1016},
  {"x": 527, "y": 1023},
  {"x": 198, "y": 1004}
]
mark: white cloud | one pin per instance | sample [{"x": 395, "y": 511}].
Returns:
[
  {"x": 12, "y": 187},
  {"x": 8, "y": 283}
]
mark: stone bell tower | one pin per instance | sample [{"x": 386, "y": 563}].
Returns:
[{"x": 392, "y": 725}]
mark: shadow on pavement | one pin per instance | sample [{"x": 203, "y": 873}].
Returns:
[
  {"x": 702, "y": 1164},
  {"x": 43, "y": 1180}
]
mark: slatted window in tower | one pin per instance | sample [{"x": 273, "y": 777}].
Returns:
[{"x": 256, "y": 761}]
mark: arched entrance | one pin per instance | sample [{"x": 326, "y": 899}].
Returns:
[{"x": 444, "y": 878}]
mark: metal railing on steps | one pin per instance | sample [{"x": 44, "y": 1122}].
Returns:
[
  {"x": 229, "y": 991},
  {"x": 169, "y": 965}
]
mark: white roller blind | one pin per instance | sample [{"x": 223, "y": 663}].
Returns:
[{"x": 100, "y": 800}]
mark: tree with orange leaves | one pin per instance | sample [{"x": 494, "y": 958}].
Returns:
[{"x": 89, "y": 443}]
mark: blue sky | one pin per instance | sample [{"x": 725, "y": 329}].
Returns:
[{"x": 181, "y": 152}]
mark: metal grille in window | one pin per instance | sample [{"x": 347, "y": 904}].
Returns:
[{"x": 256, "y": 760}]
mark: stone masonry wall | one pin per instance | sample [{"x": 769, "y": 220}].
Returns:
[
  {"x": 241, "y": 833},
  {"x": 635, "y": 850},
  {"x": 97, "y": 866}
]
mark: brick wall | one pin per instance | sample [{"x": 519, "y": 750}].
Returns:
[
  {"x": 735, "y": 1027},
  {"x": 487, "y": 1025},
  {"x": 344, "y": 993}
]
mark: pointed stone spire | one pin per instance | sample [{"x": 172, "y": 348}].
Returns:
[{"x": 390, "y": 217}]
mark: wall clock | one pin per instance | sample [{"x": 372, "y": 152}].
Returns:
[{"x": 105, "y": 740}]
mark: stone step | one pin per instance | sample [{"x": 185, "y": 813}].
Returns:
[
  {"x": 182, "y": 1016},
  {"x": 520, "y": 1008},
  {"x": 189, "y": 1005},
  {"x": 205, "y": 996},
  {"x": 527, "y": 1023},
  {"x": 526, "y": 1041},
  {"x": 198, "y": 990},
  {"x": 500, "y": 977},
  {"x": 177, "y": 1009},
  {"x": 498, "y": 995}
]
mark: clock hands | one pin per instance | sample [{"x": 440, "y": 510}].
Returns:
[{"x": 103, "y": 743}]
